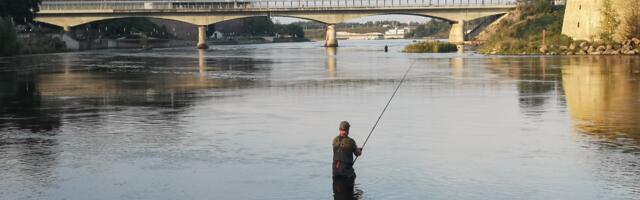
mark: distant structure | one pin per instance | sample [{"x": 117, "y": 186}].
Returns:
[
  {"x": 396, "y": 33},
  {"x": 582, "y": 18},
  {"x": 343, "y": 35}
]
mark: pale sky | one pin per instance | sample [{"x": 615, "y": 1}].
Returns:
[{"x": 400, "y": 18}]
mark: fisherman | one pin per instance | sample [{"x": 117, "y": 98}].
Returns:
[
  {"x": 386, "y": 48},
  {"x": 344, "y": 148}
]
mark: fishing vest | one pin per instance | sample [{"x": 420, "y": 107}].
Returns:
[{"x": 343, "y": 149}]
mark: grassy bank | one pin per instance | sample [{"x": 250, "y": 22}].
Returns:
[
  {"x": 522, "y": 31},
  {"x": 430, "y": 47}
]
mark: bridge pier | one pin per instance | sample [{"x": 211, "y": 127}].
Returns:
[
  {"x": 456, "y": 35},
  {"x": 330, "y": 38},
  {"x": 202, "y": 37}
]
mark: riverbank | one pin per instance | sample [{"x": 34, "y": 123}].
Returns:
[
  {"x": 430, "y": 47},
  {"x": 535, "y": 28},
  {"x": 256, "y": 40},
  {"x": 13, "y": 43},
  {"x": 525, "y": 30}
]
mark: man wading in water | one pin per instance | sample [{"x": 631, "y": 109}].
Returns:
[{"x": 343, "y": 175}]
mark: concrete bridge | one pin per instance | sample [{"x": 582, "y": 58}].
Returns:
[{"x": 70, "y": 13}]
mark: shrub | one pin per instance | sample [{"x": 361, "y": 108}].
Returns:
[
  {"x": 8, "y": 38},
  {"x": 430, "y": 47},
  {"x": 632, "y": 19}
]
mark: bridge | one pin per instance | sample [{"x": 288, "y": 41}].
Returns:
[{"x": 70, "y": 13}]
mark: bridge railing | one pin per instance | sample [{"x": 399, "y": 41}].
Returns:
[{"x": 52, "y": 5}]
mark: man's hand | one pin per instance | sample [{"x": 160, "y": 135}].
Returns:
[{"x": 358, "y": 151}]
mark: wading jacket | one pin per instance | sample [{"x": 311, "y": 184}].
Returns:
[{"x": 344, "y": 148}]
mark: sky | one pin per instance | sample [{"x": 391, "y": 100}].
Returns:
[{"x": 400, "y": 18}]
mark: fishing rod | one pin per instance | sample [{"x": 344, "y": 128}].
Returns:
[{"x": 385, "y": 109}]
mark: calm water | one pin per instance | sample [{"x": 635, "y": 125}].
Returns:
[{"x": 256, "y": 122}]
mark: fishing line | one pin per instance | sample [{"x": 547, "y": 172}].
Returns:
[{"x": 385, "y": 108}]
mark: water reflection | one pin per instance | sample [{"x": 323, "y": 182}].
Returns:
[
  {"x": 344, "y": 189},
  {"x": 331, "y": 61},
  {"x": 31, "y": 155},
  {"x": 603, "y": 95}
]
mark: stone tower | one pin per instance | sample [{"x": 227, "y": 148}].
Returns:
[{"x": 582, "y": 18}]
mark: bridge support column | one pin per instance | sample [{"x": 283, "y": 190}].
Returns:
[
  {"x": 456, "y": 36},
  {"x": 202, "y": 37},
  {"x": 330, "y": 39}
]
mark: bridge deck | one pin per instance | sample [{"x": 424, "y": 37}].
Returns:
[{"x": 50, "y": 6}]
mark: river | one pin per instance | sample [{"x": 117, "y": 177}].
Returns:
[{"x": 256, "y": 122}]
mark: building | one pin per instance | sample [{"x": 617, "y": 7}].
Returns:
[
  {"x": 582, "y": 18},
  {"x": 341, "y": 35},
  {"x": 395, "y": 33}
]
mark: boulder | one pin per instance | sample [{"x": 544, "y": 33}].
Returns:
[
  {"x": 590, "y": 49},
  {"x": 636, "y": 41},
  {"x": 601, "y": 48},
  {"x": 572, "y": 46},
  {"x": 584, "y": 45},
  {"x": 609, "y": 47},
  {"x": 581, "y": 52},
  {"x": 543, "y": 49}
]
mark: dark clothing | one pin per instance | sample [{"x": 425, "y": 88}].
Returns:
[
  {"x": 344, "y": 148},
  {"x": 343, "y": 188}
]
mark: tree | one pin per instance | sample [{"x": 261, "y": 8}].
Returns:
[
  {"x": 532, "y": 7},
  {"x": 609, "y": 22},
  {"x": 7, "y": 38},
  {"x": 21, "y": 11},
  {"x": 632, "y": 19},
  {"x": 295, "y": 30}
]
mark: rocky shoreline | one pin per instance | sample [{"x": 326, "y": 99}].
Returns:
[{"x": 627, "y": 47}]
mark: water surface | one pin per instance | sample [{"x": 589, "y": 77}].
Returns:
[{"x": 256, "y": 122}]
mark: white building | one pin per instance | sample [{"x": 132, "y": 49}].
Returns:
[
  {"x": 217, "y": 35},
  {"x": 395, "y": 33},
  {"x": 341, "y": 35}
]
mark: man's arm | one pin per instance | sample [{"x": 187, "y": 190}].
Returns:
[{"x": 356, "y": 151}]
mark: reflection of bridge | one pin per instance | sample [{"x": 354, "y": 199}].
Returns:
[{"x": 69, "y": 13}]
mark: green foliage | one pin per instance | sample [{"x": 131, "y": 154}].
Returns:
[
  {"x": 610, "y": 21},
  {"x": 523, "y": 34},
  {"x": 41, "y": 43},
  {"x": 9, "y": 45},
  {"x": 117, "y": 28},
  {"x": 430, "y": 47},
  {"x": 263, "y": 26},
  {"x": 290, "y": 29},
  {"x": 258, "y": 26},
  {"x": 533, "y": 7},
  {"x": 22, "y": 11},
  {"x": 632, "y": 19},
  {"x": 433, "y": 28}
]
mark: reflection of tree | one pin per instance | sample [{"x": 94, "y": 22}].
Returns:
[
  {"x": 28, "y": 155},
  {"x": 147, "y": 81},
  {"x": 22, "y": 102},
  {"x": 538, "y": 80}
]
